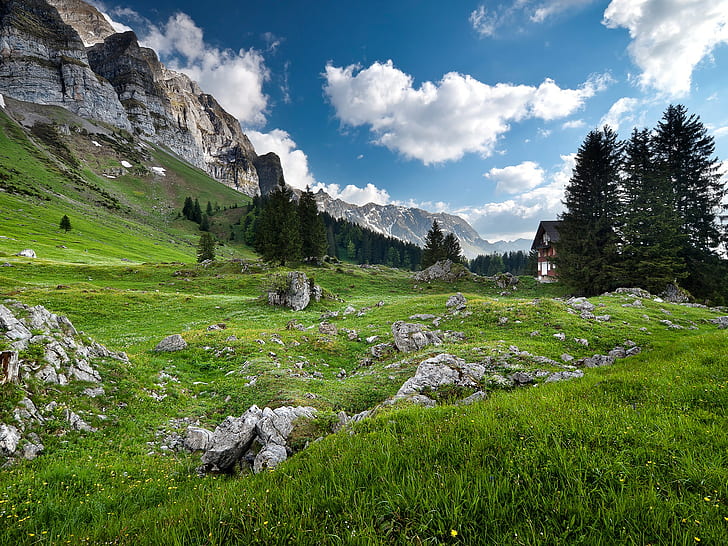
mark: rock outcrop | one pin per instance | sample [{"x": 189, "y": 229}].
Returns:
[
  {"x": 90, "y": 24},
  {"x": 269, "y": 172},
  {"x": 170, "y": 344},
  {"x": 410, "y": 337},
  {"x": 296, "y": 292},
  {"x": 444, "y": 270},
  {"x": 439, "y": 371}
]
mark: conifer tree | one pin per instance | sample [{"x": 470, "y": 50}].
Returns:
[
  {"x": 451, "y": 248},
  {"x": 205, "y": 223},
  {"x": 434, "y": 246},
  {"x": 311, "y": 226},
  {"x": 208, "y": 210},
  {"x": 651, "y": 226},
  {"x": 278, "y": 236},
  {"x": 196, "y": 212},
  {"x": 206, "y": 247},
  {"x": 188, "y": 210},
  {"x": 65, "y": 223},
  {"x": 588, "y": 258}
]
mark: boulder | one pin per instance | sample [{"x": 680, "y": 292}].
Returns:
[
  {"x": 443, "y": 369},
  {"x": 423, "y": 316},
  {"x": 296, "y": 291},
  {"x": 505, "y": 280},
  {"x": 230, "y": 440},
  {"x": 170, "y": 344},
  {"x": 721, "y": 322},
  {"x": 269, "y": 457},
  {"x": 412, "y": 337},
  {"x": 636, "y": 292},
  {"x": 27, "y": 253},
  {"x": 598, "y": 360},
  {"x": 275, "y": 425},
  {"x": 381, "y": 349},
  {"x": 581, "y": 304},
  {"x": 674, "y": 294},
  {"x": 198, "y": 439},
  {"x": 563, "y": 376},
  {"x": 328, "y": 329},
  {"x": 9, "y": 438},
  {"x": 456, "y": 302},
  {"x": 444, "y": 270}
]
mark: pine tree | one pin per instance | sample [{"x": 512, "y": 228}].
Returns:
[
  {"x": 196, "y": 212},
  {"x": 206, "y": 247},
  {"x": 451, "y": 248},
  {"x": 311, "y": 227},
  {"x": 434, "y": 246},
  {"x": 205, "y": 223},
  {"x": 278, "y": 236},
  {"x": 65, "y": 224},
  {"x": 208, "y": 210},
  {"x": 188, "y": 210},
  {"x": 588, "y": 252},
  {"x": 652, "y": 243}
]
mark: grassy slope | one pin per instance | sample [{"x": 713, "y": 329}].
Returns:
[{"x": 634, "y": 453}]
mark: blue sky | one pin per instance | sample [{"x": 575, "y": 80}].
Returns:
[{"x": 469, "y": 107}]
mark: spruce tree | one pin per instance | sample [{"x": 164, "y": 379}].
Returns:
[
  {"x": 311, "y": 227},
  {"x": 434, "y": 246},
  {"x": 65, "y": 223},
  {"x": 205, "y": 223},
  {"x": 206, "y": 247},
  {"x": 196, "y": 212},
  {"x": 188, "y": 210},
  {"x": 651, "y": 253},
  {"x": 588, "y": 253},
  {"x": 208, "y": 210},
  {"x": 278, "y": 236},
  {"x": 451, "y": 248}
]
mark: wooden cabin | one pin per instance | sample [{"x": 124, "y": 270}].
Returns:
[{"x": 546, "y": 235}]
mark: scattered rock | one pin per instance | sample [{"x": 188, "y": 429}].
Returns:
[
  {"x": 381, "y": 349},
  {"x": 27, "y": 253},
  {"x": 636, "y": 292},
  {"x": 581, "y": 304},
  {"x": 170, "y": 344},
  {"x": 295, "y": 325},
  {"x": 721, "y": 322},
  {"x": 198, "y": 439},
  {"x": 473, "y": 398},
  {"x": 443, "y": 369},
  {"x": 563, "y": 376},
  {"x": 675, "y": 294},
  {"x": 456, "y": 302},
  {"x": 597, "y": 360},
  {"x": 297, "y": 292},
  {"x": 269, "y": 457},
  {"x": 230, "y": 440},
  {"x": 581, "y": 341},
  {"x": 328, "y": 329},
  {"x": 561, "y": 336},
  {"x": 505, "y": 280},
  {"x": 423, "y": 316},
  {"x": 412, "y": 337},
  {"x": 444, "y": 270},
  {"x": 521, "y": 378},
  {"x": 9, "y": 438},
  {"x": 350, "y": 310}
]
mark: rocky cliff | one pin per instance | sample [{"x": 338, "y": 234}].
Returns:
[
  {"x": 269, "y": 172},
  {"x": 85, "y": 19}
]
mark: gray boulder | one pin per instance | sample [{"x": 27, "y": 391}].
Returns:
[
  {"x": 636, "y": 292},
  {"x": 505, "y": 280},
  {"x": 198, "y": 439},
  {"x": 598, "y": 360},
  {"x": 381, "y": 349},
  {"x": 674, "y": 294},
  {"x": 275, "y": 425},
  {"x": 456, "y": 302},
  {"x": 269, "y": 457},
  {"x": 721, "y": 322},
  {"x": 412, "y": 337},
  {"x": 297, "y": 292},
  {"x": 328, "y": 329},
  {"x": 27, "y": 253},
  {"x": 32, "y": 450},
  {"x": 172, "y": 343},
  {"x": 443, "y": 369},
  {"x": 230, "y": 440},
  {"x": 444, "y": 270},
  {"x": 563, "y": 376},
  {"x": 581, "y": 304},
  {"x": 9, "y": 438}
]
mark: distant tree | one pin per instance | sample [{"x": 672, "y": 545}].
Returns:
[
  {"x": 196, "y": 212},
  {"x": 351, "y": 250},
  {"x": 206, "y": 247},
  {"x": 393, "y": 257},
  {"x": 311, "y": 226},
  {"x": 278, "y": 236},
  {"x": 434, "y": 246},
  {"x": 451, "y": 248},
  {"x": 188, "y": 210},
  {"x": 588, "y": 250},
  {"x": 209, "y": 210},
  {"x": 496, "y": 265},
  {"x": 205, "y": 223},
  {"x": 65, "y": 224}
]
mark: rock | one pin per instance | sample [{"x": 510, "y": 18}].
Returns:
[
  {"x": 412, "y": 337},
  {"x": 505, "y": 280},
  {"x": 598, "y": 360},
  {"x": 296, "y": 292},
  {"x": 521, "y": 378},
  {"x": 566, "y": 357},
  {"x": 443, "y": 369},
  {"x": 31, "y": 450},
  {"x": 581, "y": 304},
  {"x": 9, "y": 367},
  {"x": 381, "y": 349},
  {"x": 276, "y": 425},
  {"x": 26, "y": 412},
  {"x": 295, "y": 325},
  {"x": 82, "y": 371},
  {"x": 563, "y": 376},
  {"x": 721, "y": 322},
  {"x": 456, "y": 302},
  {"x": 372, "y": 339},
  {"x": 636, "y": 292},
  {"x": 269, "y": 457},
  {"x": 618, "y": 352},
  {"x": 502, "y": 321},
  {"x": 94, "y": 392},
  {"x": 328, "y": 329},
  {"x": 633, "y": 351},
  {"x": 230, "y": 440},
  {"x": 603, "y": 318},
  {"x": 170, "y": 344},
  {"x": 675, "y": 294},
  {"x": 198, "y": 439},
  {"x": 14, "y": 329},
  {"x": 581, "y": 341},
  {"x": 587, "y": 315},
  {"x": 444, "y": 270},
  {"x": 561, "y": 336},
  {"x": 350, "y": 310},
  {"x": 9, "y": 438},
  {"x": 424, "y": 316},
  {"x": 76, "y": 422},
  {"x": 473, "y": 398}
]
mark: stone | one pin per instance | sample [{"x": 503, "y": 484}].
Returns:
[
  {"x": 675, "y": 294},
  {"x": 275, "y": 425},
  {"x": 14, "y": 329},
  {"x": 443, "y": 369},
  {"x": 413, "y": 337},
  {"x": 269, "y": 457},
  {"x": 566, "y": 357},
  {"x": 328, "y": 329},
  {"x": 93, "y": 392},
  {"x": 381, "y": 349},
  {"x": 296, "y": 292},
  {"x": 27, "y": 412},
  {"x": 581, "y": 341},
  {"x": 82, "y": 371},
  {"x": 505, "y": 280},
  {"x": 9, "y": 438},
  {"x": 456, "y": 302},
  {"x": 76, "y": 422},
  {"x": 581, "y": 304},
  {"x": 423, "y": 316},
  {"x": 31, "y": 450},
  {"x": 27, "y": 253},
  {"x": 721, "y": 322},
  {"x": 633, "y": 351},
  {"x": 521, "y": 378},
  {"x": 172, "y": 343},
  {"x": 9, "y": 367},
  {"x": 444, "y": 270},
  {"x": 636, "y": 292},
  {"x": 603, "y": 318},
  {"x": 230, "y": 440},
  {"x": 477, "y": 396},
  {"x": 561, "y": 336},
  {"x": 598, "y": 360},
  {"x": 198, "y": 439},
  {"x": 563, "y": 376},
  {"x": 350, "y": 310}
]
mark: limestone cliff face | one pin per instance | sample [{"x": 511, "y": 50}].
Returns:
[
  {"x": 91, "y": 26},
  {"x": 269, "y": 172},
  {"x": 43, "y": 60},
  {"x": 169, "y": 108}
]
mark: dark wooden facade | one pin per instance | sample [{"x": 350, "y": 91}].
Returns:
[{"x": 546, "y": 235}]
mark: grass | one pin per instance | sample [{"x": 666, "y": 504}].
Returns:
[{"x": 634, "y": 453}]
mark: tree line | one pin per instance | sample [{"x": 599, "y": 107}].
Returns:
[
  {"x": 646, "y": 212},
  {"x": 518, "y": 263}
]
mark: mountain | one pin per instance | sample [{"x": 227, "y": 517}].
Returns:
[
  {"x": 44, "y": 60},
  {"x": 412, "y": 224}
]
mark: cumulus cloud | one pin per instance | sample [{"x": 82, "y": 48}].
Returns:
[
  {"x": 516, "y": 178},
  {"x": 235, "y": 78},
  {"x": 670, "y": 38},
  {"x": 293, "y": 160},
  {"x": 442, "y": 121},
  {"x": 356, "y": 195},
  {"x": 574, "y": 124},
  {"x": 620, "y": 112},
  {"x": 720, "y": 132}
]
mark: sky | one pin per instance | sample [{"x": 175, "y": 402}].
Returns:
[{"x": 474, "y": 108}]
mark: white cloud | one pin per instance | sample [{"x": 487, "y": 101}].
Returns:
[
  {"x": 487, "y": 22},
  {"x": 442, "y": 121},
  {"x": 551, "y": 8},
  {"x": 356, "y": 195},
  {"x": 483, "y": 22},
  {"x": 720, "y": 132},
  {"x": 293, "y": 160},
  {"x": 574, "y": 124},
  {"x": 516, "y": 178},
  {"x": 235, "y": 78},
  {"x": 670, "y": 37},
  {"x": 620, "y": 112}
]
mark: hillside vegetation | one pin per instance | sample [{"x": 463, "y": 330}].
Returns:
[{"x": 632, "y": 453}]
